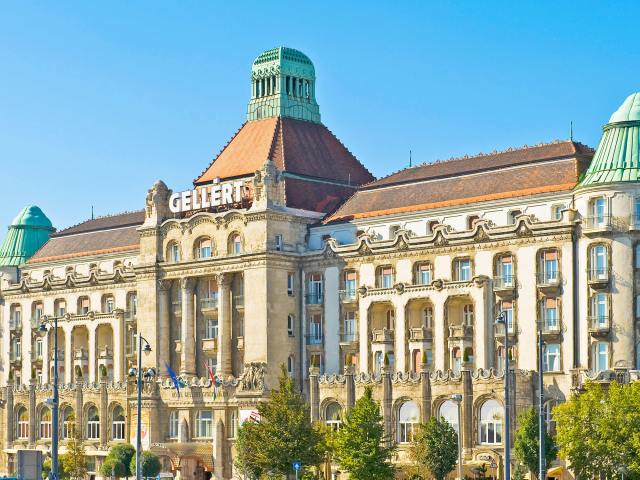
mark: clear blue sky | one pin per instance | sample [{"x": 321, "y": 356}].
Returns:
[{"x": 100, "y": 99}]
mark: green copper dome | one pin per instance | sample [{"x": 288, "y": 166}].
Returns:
[
  {"x": 283, "y": 84},
  {"x": 617, "y": 158},
  {"x": 27, "y": 233}
]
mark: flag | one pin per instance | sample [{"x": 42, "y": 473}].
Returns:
[
  {"x": 214, "y": 381},
  {"x": 174, "y": 378}
]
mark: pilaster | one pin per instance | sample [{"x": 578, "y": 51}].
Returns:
[
  {"x": 387, "y": 399},
  {"x": 314, "y": 393},
  {"x": 32, "y": 412},
  {"x": 188, "y": 340},
  {"x": 467, "y": 410},
  {"x": 104, "y": 413},
  {"x": 425, "y": 385},
  {"x": 225, "y": 365}
]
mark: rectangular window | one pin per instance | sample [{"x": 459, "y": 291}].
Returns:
[
  {"x": 505, "y": 267},
  {"x": 84, "y": 306},
  {"x": 39, "y": 311},
  {"x": 204, "y": 424},
  {"x": 551, "y": 359},
  {"x": 109, "y": 305},
  {"x": 314, "y": 295},
  {"x": 173, "y": 424},
  {"x": 598, "y": 209},
  {"x": 636, "y": 211},
  {"x": 424, "y": 272},
  {"x": 212, "y": 329},
  {"x": 315, "y": 329},
  {"x": 39, "y": 350},
  {"x": 557, "y": 212},
  {"x": 549, "y": 266},
  {"x": 62, "y": 308},
  {"x": 349, "y": 326},
  {"x": 602, "y": 356},
  {"x": 290, "y": 283},
  {"x": 212, "y": 363},
  {"x": 290, "y": 325},
  {"x": 386, "y": 277},
  {"x": 175, "y": 252},
  {"x": 350, "y": 283},
  {"x": 463, "y": 270},
  {"x": 279, "y": 244},
  {"x": 507, "y": 309},
  {"x": 550, "y": 314}
]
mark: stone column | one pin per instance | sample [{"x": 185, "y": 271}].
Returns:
[
  {"x": 400, "y": 343},
  {"x": 10, "y": 420},
  {"x": 314, "y": 393},
  {"x": 163, "y": 340},
  {"x": 188, "y": 340},
  {"x": 387, "y": 400},
  {"x": 350, "y": 387},
  {"x": 92, "y": 352},
  {"x": 104, "y": 413},
  {"x": 78, "y": 412},
  {"x": 32, "y": 412},
  {"x": 68, "y": 355},
  {"x": 466, "y": 422},
  {"x": 225, "y": 365},
  {"x": 218, "y": 449},
  {"x": 425, "y": 384},
  {"x": 440, "y": 334}
]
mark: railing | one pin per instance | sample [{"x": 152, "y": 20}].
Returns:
[
  {"x": 503, "y": 283},
  {"x": 35, "y": 322},
  {"x": 314, "y": 338},
  {"x": 600, "y": 222},
  {"x": 550, "y": 325},
  {"x": 461, "y": 331},
  {"x": 209, "y": 302},
  {"x": 314, "y": 298},
  {"x": 548, "y": 279},
  {"x": 348, "y": 295},
  {"x": 15, "y": 357},
  {"x": 420, "y": 334},
  {"x": 597, "y": 275},
  {"x": 349, "y": 337},
  {"x": 599, "y": 324},
  {"x": 384, "y": 335}
]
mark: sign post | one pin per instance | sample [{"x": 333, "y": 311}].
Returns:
[{"x": 296, "y": 467}]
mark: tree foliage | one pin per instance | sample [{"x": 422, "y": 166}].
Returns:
[
  {"x": 149, "y": 464},
  {"x": 284, "y": 434},
  {"x": 598, "y": 431},
  {"x": 526, "y": 443},
  {"x": 361, "y": 444},
  {"x": 435, "y": 448},
  {"x": 122, "y": 454},
  {"x": 113, "y": 466},
  {"x": 46, "y": 470},
  {"x": 74, "y": 461}
]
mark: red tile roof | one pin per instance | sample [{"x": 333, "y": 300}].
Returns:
[{"x": 528, "y": 171}]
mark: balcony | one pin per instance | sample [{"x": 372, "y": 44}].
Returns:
[
  {"x": 460, "y": 331},
  {"x": 209, "y": 303},
  {"x": 383, "y": 335},
  {"x": 548, "y": 280},
  {"x": 130, "y": 316},
  {"x": 598, "y": 278},
  {"x": 348, "y": 296},
  {"x": 347, "y": 338},
  {"x": 599, "y": 325},
  {"x": 598, "y": 224},
  {"x": 36, "y": 321},
  {"x": 314, "y": 298},
  {"x": 209, "y": 344},
  {"x": 550, "y": 326},
  {"x": 504, "y": 285},
  {"x": 314, "y": 338},
  {"x": 420, "y": 334}
]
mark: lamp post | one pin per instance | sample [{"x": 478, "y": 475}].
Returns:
[
  {"x": 138, "y": 374},
  {"x": 502, "y": 320},
  {"x": 541, "y": 426},
  {"x": 457, "y": 398},
  {"x": 42, "y": 330}
]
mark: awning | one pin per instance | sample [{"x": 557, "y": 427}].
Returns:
[
  {"x": 555, "y": 472},
  {"x": 202, "y": 451}
]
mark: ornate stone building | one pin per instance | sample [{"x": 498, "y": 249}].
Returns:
[{"x": 286, "y": 251}]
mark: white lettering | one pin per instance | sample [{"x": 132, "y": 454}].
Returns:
[
  {"x": 215, "y": 195},
  {"x": 174, "y": 203},
  {"x": 196, "y": 201},
  {"x": 226, "y": 194},
  {"x": 186, "y": 200},
  {"x": 204, "y": 197},
  {"x": 237, "y": 187}
]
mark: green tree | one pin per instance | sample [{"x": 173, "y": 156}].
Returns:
[
  {"x": 526, "y": 443},
  {"x": 598, "y": 431},
  {"x": 149, "y": 464},
  {"x": 284, "y": 434},
  {"x": 361, "y": 444},
  {"x": 435, "y": 448},
  {"x": 113, "y": 466},
  {"x": 74, "y": 461},
  {"x": 121, "y": 453},
  {"x": 46, "y": 469}
]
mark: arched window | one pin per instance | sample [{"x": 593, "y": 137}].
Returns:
[
  {"x": 173, "y": 252},
  {"x": 490, "y": 423},
  {"x": 235, "y": 244},
  {"x": 203, "y": 248},
  {"x": 68, "y": 422},
  {"x": 117, "y": 423},
  {"x": 408, "y": 419},
  {"x": 332, "y": 415},
  {"x": 449, "y": 412},
  {"x": 233, "y": 424},
  {"x": 45, "y": 423},
  {"x": 173, "y": 424},
  {"x": 93, "y": 423},
  {"x": 22, "y": 430}
]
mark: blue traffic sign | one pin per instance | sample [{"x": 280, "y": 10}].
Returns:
[{"x": 297, "y": 465}]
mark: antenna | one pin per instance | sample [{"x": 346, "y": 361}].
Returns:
[
  {"x": 410, "y": 159},
  {"x": 571, "y": 131},
  {"x": 92, "y": 217}
]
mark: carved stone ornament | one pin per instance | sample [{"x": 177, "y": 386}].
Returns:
[
  {"x": 364, "y": 248},
  {"x": 362, "y": 291},
  {"x": 253, "y": 376},
  {"x": 523, "y": 230},
  {"x": 401, "y": 244},
  {"x": 399, "y": 287},
  {"x": 440, "y": 241},
  {"x": 438, "y": 284}
]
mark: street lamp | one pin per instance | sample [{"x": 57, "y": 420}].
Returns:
[
  {"x": 42, "y": 330},
  {"x": 457, "y": 398},
  {"x": 502, "y": 320},
  {"x": 541, "y": 423},
  {"x": 138, "y": 374}
]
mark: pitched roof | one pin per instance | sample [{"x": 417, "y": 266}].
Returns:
[
  {"x": 102, "y": 235},
  {"x": 308, "y": 150},
  {"x": 513, "y": 173}
]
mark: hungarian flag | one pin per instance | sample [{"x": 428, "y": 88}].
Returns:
[{"x": 214, "y": 380}]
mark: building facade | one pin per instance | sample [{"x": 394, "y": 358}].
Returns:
[{"x": 287, "y": 251}]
